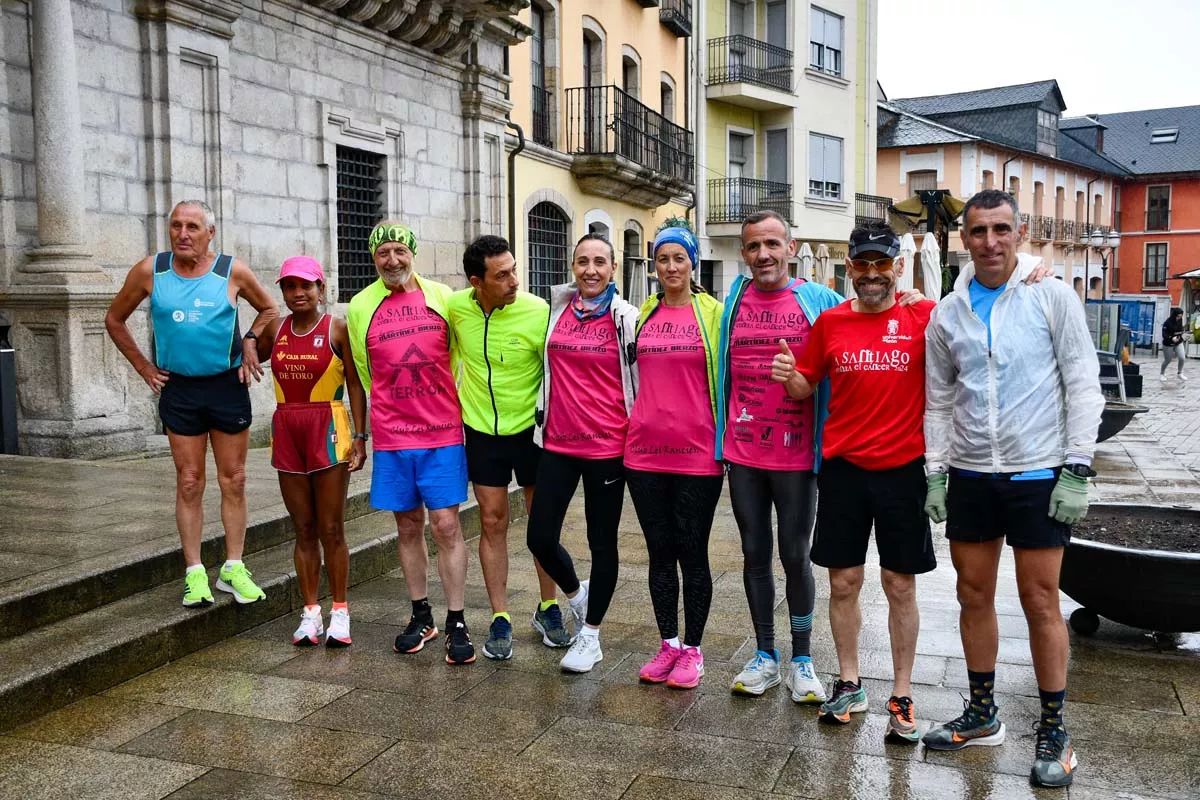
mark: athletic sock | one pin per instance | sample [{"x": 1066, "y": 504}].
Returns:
[
  {"x": 982, "y": 684},
  {"x": 545, "y": 604},
  {"x": 1052, "y": 708},
  {"x": 453, "y": 617},
  {"x": 341, "y": 607},
  {"x": 802, "y": 635},
  {"x": 421, "y": 609},
  {"x": 230, "y": 563},
  {"x": 579, "y": 599},
  {"x": 503, "y": 614},
  {"x": 673, "y": 641},
  {"x": 195, "y": 567},
  {"x": 313, "y": 609}
]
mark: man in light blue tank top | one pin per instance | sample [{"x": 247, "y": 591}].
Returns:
[{"x": 201, "y": 370}]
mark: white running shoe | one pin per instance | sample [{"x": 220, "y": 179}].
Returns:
[
  {"x": 584, "y": 654},
  {"x": 802, "y": 680},
  {"x": 579, "y": 604},
  {"x": 760, "y": 673},
  {"x": 310, "y": 630},
  {"x": 339, "y": 629},
  {"x": 1182, "y": 377},
  {"x": 1162, "y": 376}
]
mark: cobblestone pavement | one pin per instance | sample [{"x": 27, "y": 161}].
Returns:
[
  {"x": 1174, "y": 418},
  {"x": 255, "y": 718}
]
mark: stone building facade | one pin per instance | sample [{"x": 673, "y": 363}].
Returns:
[{"x": 298, "y": 121}]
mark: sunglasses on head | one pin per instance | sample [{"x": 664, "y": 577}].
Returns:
[{"x": 880, "y": 264}]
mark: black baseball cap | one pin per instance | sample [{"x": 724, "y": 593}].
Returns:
[{"x": 866, "y": 241}]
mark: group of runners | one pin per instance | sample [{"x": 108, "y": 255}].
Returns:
[{"x": 880, "y": 413}]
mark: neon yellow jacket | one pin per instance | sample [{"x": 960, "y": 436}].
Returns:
[
  {"x": 362, "y": 310},
  {"x": 708, "y": 314},
  {"x": 500, "y": 358}
]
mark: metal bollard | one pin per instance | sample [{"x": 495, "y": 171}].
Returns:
[{"x": 8, "y": 394}]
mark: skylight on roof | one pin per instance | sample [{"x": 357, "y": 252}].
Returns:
[{"x": 1164, "y": 135}]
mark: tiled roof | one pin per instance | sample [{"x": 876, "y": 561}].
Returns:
[
  {"x": 1127, "y": 140},
  {"x": 1086, "y": 121},
  {"x": 998, "y": 97},
  {"x": 899, "y": 128},
  {"x": 1071, "y": 149}
]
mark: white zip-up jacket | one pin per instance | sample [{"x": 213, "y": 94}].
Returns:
[
  {"x": 1030, "y": 401},
  {"x": 625, "y": 315}
]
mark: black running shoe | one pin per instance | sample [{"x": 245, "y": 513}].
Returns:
[
  {"x": 1054, "y": 758},
  {"x": 459, "y": 649},
  {"x": 418, "y": 632}
]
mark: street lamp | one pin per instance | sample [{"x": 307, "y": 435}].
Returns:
[{"x": 1106, "y": 245}]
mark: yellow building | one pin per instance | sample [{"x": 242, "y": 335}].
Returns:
[
  {"x": 600, "y": 93},
  {"x": 786, "y": 121}
]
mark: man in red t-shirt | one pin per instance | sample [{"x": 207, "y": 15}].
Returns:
[{"x": 872, "y": 349}]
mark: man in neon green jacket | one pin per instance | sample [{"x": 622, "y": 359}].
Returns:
[{"x": 500, "y": 335}]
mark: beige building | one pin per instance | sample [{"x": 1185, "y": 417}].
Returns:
[{"x": 600, "y": 96}]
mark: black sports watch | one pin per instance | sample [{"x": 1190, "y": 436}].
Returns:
[
  {"x": 1080, "y": 470},
  {"x": 251, "y": 335},
  {"x": 363, "y": 436}
]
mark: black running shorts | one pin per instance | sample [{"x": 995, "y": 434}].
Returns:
[
  {"x": 492, "y": 460},
  {"x": 851, "y": 499},
  {"x": 983, "y": 508},
  {"x": 194, "y": 406}
]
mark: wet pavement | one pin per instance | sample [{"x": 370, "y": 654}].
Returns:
[{"x": 255, "y": 717}]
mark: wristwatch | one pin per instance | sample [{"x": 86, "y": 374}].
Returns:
[
  {"x": 251, "y": 335},
  {"x": 363, "y": 436},
  {"x": 1080, "y": 470}
]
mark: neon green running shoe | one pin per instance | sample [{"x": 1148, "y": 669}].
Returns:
[
  {"x": 236, "y": 581},
  {"x": 196, "y": 591}
]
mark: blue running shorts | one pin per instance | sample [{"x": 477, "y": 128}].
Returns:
[{"x": 402, "y": 480}]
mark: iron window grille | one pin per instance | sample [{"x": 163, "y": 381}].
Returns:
[
  {"x": 547, "y": 248},
  {"x": 360, "y": 205}
]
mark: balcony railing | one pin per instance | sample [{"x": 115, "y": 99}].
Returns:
[
  {"x": 542, "y": 129},
  {"x": 676, "y": 15},
  {"x": 734, "y": 59},
  {"x": 1064, "y": 231},
  {"x": 1158, "y": 220},
  {"x": 1041, "y": 229},
  {"x": 868, "y": 207},
  {"x": 603, "y": 120},
  {"x": 733, "y": 199}
]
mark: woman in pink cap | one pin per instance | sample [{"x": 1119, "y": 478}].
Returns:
[{"x": 311, "y": 441}]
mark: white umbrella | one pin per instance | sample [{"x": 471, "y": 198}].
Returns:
[
  {"x": 908, "y": 249},
  {"x": 931, "y": 267},
  {"x": 823, "y": 274},
  {"x": 806, "y": 261},
  {"x": 638, "y": 289}
]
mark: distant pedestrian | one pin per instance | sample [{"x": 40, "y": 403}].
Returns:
[{"x": 1172, "y": 341}]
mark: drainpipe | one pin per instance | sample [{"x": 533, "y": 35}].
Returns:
[
  {"x": 1004, "y": 173},
  {"x": 687, "y": 118},
  {"x": 512, "y": 181}
]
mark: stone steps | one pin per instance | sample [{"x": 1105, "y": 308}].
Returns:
[
  {"x": 42, "y": 599},
  {"x": 84, "y": 653}
]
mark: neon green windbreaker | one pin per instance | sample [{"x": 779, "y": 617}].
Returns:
[{"x": 500, "y": 359}]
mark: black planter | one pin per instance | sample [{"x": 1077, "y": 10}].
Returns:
[
  {"x": 1157, "y": 590},
  {"x": 1115, "y": 417}
]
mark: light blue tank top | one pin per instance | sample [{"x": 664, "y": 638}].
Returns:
[{"x": 195, "y": 326}]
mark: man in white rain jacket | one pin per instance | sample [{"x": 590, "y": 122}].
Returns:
[{"x": 1013, "y": 404}]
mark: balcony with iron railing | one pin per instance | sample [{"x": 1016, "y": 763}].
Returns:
[
  {"x": 676, "y": 16},
  {"x": 746, "y": 72},
  {"x": 624, "y": 150},
  {"x": 733, "y": 199},
  {"x": 1065, "y": 231},
  {"x": 1040, "y": 228},
  {"x": 543, "y": 129},
  {"x": 870, "y": 207},
  {"x": 1158, "y": 219}
]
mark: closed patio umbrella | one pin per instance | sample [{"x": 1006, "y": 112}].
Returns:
[
  {"x": 806, "y": 261},
  {"x": 824, "y": 274},
  {"x": 931, "y": 267},
  {"x": 908, "y": 249}
]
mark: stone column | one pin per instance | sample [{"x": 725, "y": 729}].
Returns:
[{"x": 71, "y": 381}]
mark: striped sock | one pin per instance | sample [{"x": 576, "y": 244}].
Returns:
[{"x": 802, "y": 635}]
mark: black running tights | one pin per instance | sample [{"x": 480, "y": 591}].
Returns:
[
  {"x": 676, "y": 515},
  {"x": 558, "y": 477},
  {"x": 752, "y": 493}
]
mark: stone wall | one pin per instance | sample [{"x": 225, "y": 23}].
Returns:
[{"x": 248, "y": 122}]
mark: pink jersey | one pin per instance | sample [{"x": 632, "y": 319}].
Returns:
[
  {"x": 766, "y": 428},
  {"x": 414, "y": 403},
  {"x": 587, "y": 415},
  {"x": 672, "y": 427}
]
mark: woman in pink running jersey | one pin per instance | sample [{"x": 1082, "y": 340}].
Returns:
[
  {"x": 589, "y": 379},
  {"x": 670, "y": 453}
]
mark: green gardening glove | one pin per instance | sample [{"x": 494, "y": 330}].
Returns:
[
  {"x": 1069, "y": 500},
  {"x": 935, "y": 496}
]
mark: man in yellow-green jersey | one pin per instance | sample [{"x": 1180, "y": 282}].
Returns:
[{"x": 500, "y": 335}]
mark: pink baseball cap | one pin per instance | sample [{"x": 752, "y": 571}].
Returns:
[{"x": 303, "y": 267}]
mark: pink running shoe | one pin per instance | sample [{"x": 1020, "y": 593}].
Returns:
[
  {"x": 688, "y": 669},
  {"x": 658, "y": 668}
]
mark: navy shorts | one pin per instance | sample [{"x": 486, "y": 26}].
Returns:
[
  {"x": 851, "y": 499},
  {"x": 403, "y": 480},
  {"x": 981, "y": 508},
  {"x": 194, "y": 406},
  {"x": 492, "y": 460}
]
